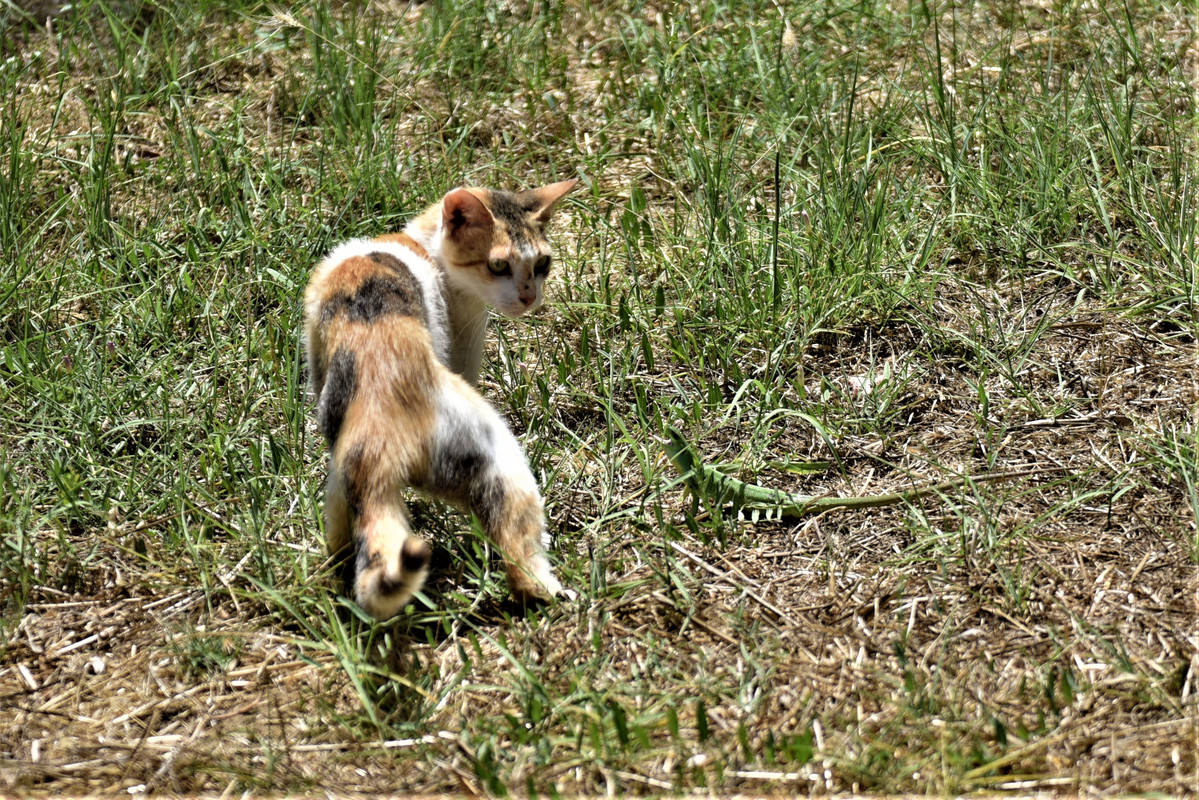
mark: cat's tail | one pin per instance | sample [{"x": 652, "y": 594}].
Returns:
[{"x": 392, "y": 563}]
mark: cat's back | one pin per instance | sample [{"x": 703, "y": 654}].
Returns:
[
  {"x": 373, "y": 315},
  {"x": 375, "y": 332},
  {"x": 367, "y": 288},
  {"x": 370, "y": 279}
]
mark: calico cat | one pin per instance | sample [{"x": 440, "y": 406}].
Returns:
[{"x": 394, "y": 332}]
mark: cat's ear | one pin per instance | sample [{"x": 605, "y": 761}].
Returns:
[
  {"x": 465, "y": 220},
  {"x": 544, "y": 199}
]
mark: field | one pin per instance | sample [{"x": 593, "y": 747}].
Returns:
[{"x": 843, "y": 249}]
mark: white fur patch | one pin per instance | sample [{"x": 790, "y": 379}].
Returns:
[{"x": 464, "y": 416}]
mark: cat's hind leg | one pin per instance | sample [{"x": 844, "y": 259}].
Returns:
[
  {"x": 391, "y": 563},
  {"x": 386, "y": 563},
  {"x": 337, "y": 521},
  {"x": 478, "y": 463}
]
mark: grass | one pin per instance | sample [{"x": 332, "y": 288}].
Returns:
[{"x": 906, "y": 241}]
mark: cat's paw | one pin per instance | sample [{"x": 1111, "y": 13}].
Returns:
[
  {"x": 538, "y": 584},
  {"x": 390, "y": 580},
  {"x": 540, "y": 597}
]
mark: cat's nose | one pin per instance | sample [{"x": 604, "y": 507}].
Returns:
[{"x": 528, "y": 297}]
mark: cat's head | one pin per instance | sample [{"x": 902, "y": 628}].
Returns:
[{"x": 494, "y": 244}]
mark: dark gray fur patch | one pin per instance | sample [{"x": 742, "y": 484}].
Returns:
[
  {"x": 363, "y": 560},
  {"x": 487, "y": 501},
  {"x": 341, "y": 382},
  {"x": 398, "y": 292},
  {"x": 460, "y": 470},
  {"x": 393, "y": 264},
  {"x": 414, "y": 555},
  {"x": 461, "y": 461},
  {"x": 514, "y": 213},
  {"x": 511, "y": 208},
  {"x": 389, "y": 586}
]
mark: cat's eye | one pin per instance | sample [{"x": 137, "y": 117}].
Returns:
[
  {"x": 542, "y": 266},
  {"x": 499, "y": 267}
]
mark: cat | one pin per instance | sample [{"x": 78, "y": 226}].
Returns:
[{"x": 394, "y": 330}]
